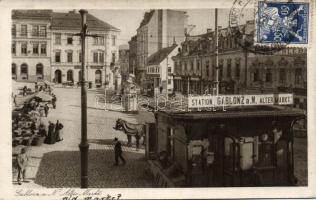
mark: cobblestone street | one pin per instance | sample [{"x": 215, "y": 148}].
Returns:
[{"x": 58, "y": 165}]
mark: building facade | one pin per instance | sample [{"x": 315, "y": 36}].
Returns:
[
  {"x": 133, "y": 55},
  {"x": 101, "y": 52},
  {"x": 124, "y": 61},
  {"x": 240, "y": 71},
  {"x": 44, "y": 47},
  {"x": 31, "y": 45},
  {"x": 160, "y": 68},
  {"x": 158, "y": 29}
]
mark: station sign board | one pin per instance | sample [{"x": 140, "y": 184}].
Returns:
[{"x": 205, "y": 101}]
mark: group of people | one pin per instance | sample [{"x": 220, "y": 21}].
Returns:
[
  {"x": 54, "y": 133},
  {"x": 45, "y": 88}
]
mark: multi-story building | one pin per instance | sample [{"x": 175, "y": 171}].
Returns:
[
  {"x": 44, "y": 48},
  {"x": 158, "y": 29},
  {"x": 31, "y": 45},
  {"x": 160, "y": 68},
  {"x": 133, "y": 55},
  {"x": 240, "y": 71},
  {"x": 101, "y": 52},
  {"x": 124, "y": 61}
]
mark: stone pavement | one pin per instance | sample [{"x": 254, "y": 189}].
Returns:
[{"x": 58, "y": 165}]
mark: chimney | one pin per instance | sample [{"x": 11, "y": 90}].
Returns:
[{"x": 209, "y": 30}]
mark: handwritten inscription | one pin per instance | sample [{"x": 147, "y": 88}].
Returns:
[{"x": 69, "y": 194}]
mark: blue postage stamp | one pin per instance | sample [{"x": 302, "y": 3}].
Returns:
[{"x": 282, "y": 22}]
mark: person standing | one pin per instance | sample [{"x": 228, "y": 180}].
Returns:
[
  {"x": 22, "y": 161},
  {"x": 36, "y": 87},
  {"x": 118, "y": 152},
  {"x": 54, "y": 99},
  {"x": 46, "y": 109},
  {"x": 51, "y": 138},
  {"x": 58, "y": 130}
]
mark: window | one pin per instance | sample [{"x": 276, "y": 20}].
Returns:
[
  {"x": 13, "y": 69},
  {"x": 238, "y": 70},
  {"x": 24, "y": 71},
  {"x": 169, "y": 69},
  {"x": 95, "y": 57},
  {"x": 269, "y": 76},
  {"x": 98, "y": 76},
  {"x": 35, "y": 30},
  {"x": 42, "y": 31},
  {"x": 101, "y": 57},
  {"x": 80, "y": 57},
  {"x": 282, "y": 75},
  {"x": 43, "y": 48},
  {"x": 207, "y": 68},
  {"x": 13, "y": 49},
  {"x": 69, "y": 39},
  {"x": 70, "y": 75},
  {"x": 185, "y": 66},
  {"x": 69, "y": 57},
  {"x": 298, "y": 76},
  {"x": 198, "y": 65},
  {"x": 39, "y": 69},
  {"x": 57, "y": 57},
  {"x": 13, "y": 30},
  {"x": 256, "y": 75},
  {"x": 23, "y": 30},
  {"x": 95, "y": 41},
  {"x": 220, "y": 66},
  {"x": 35, "y": 48},
  {"x": 101, "y": 40},
  {"x": 113, "y": 57},
  {"x": 192, "y": 66},
  {"x": 24, "y": 48},
  {"x": 169, "y": 81},
  {"x": 57, "y": 38},
  {"x": 229, "y": 69},
  {"x": 113, "y": 40}
]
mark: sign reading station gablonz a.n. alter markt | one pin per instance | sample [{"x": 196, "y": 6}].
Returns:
[{"x": 239, "y": 100}]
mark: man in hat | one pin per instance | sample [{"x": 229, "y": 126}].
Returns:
[
  {"x": 118, "y": 152},
  {"x": 22, "y": 161},
  {"x": 46, "y": 109}
]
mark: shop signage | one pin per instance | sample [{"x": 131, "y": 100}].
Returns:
[{"x": 239, "y": 100}]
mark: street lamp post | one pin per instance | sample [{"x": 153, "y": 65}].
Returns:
[{"x": 84, "y": 146}]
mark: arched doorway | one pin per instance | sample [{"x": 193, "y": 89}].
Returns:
[
  {"x": 58, "y": 75},
  {"x": 70, "y": 76},
  {"x": 13, "y": 71},
  {"x": 79, "y": 75},
  {"x": 39, "y": 71},
  {"x": 98, "y": 78},
  {"x": 24, "y": 71}
]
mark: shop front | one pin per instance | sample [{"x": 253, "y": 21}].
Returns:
[{"x": 241, "y": 146}]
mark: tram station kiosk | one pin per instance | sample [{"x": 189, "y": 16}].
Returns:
[
  {"x": 129, "y": 96},
  {"x": 238, "y": 146}
]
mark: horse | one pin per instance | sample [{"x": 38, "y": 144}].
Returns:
[{"x": 136, "y": 130}]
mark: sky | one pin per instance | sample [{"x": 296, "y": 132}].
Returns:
[{"x": 128, "y": 20}]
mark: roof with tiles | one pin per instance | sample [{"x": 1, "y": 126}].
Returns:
[
  {"x": 160, "y": 55},
  {"x": 32, "y": 14},
  {"x": 72, "y": 21}
]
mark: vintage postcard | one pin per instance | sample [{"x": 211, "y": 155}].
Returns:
[{"x": 157, "y": 100}]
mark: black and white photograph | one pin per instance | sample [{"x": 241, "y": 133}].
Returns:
[{"x": 212, "y": 97}]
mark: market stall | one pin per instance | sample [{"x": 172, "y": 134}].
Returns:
[{"x": 241, "y": 146}]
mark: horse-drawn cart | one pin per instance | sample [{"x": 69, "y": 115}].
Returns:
[{"x": 243, "y": 146}]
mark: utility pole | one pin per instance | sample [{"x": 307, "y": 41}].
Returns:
[
  {"x": 84, "y": 145},
  {"x": 216, "y": 54}
]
